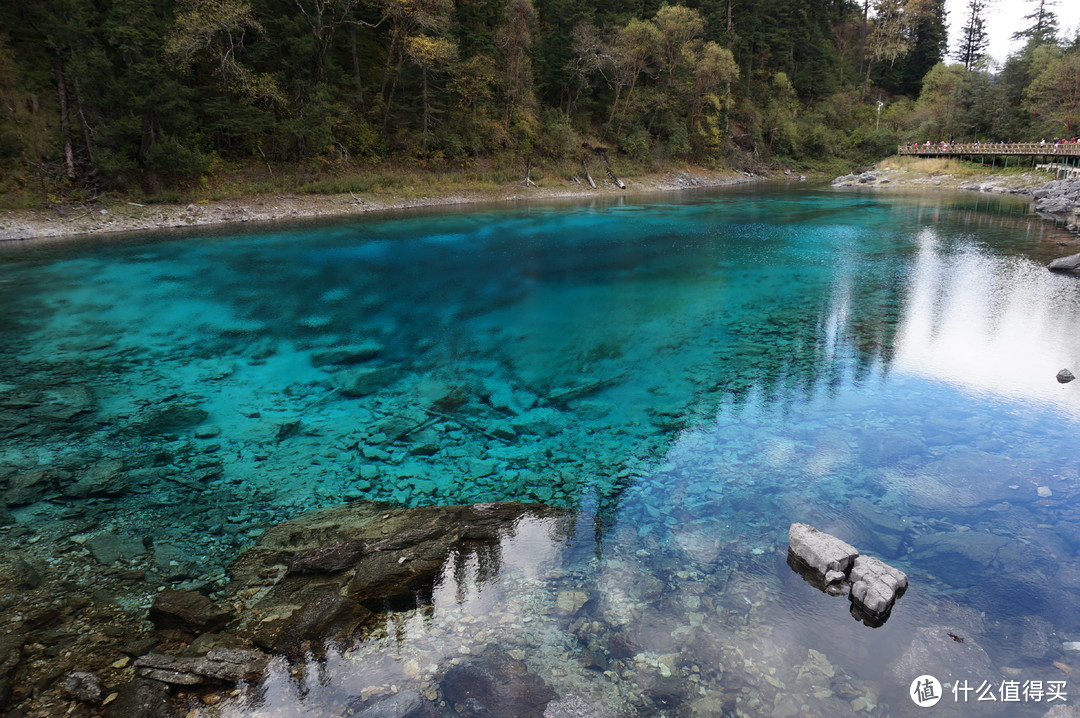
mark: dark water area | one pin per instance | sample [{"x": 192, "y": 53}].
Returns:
[{"x": 691, "y": 374}]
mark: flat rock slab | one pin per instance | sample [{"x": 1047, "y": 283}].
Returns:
[
  {"x": 187, "y": 611},
  {"x": 323, "y": 621},
  {"x": 219, "y": 665},
  {"x": 967, "y": 478},
  {"x": 108, "y": 548}
]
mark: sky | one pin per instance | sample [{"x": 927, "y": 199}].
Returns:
[{"x": 1003, "y": 18}]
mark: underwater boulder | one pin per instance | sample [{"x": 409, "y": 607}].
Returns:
[
  {"x": 219, "y": 665},
  {"x": 367, "y": 556},
  {"x": 362, "y": 381},
  {"x": 495, "y": 684},
  {"x": 408, "y": 703},
  {"x": 352, "y": 354},
  {"x": 319, "y": 623},
  {"x": 187, "y": 611},
  {"x": 83, "y": 686},
  {"x": 141, "y": 698}
]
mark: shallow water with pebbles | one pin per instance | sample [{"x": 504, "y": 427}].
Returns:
[{"x": 692, "y": 374}]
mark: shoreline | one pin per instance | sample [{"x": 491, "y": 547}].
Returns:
[
  {"x": 1051, "y": 199},
  {"x": 124, "y": 216}
]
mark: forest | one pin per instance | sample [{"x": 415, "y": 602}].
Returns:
[{"x": 156, "y": 99}]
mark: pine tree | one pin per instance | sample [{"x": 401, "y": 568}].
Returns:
[
  {"x": 1043, "y": 27},
  {"x": 974, "y": 39}
]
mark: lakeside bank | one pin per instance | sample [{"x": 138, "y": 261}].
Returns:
[
  {"x": 1057, "y": 200},
  {"x": 126, "y": 216}
]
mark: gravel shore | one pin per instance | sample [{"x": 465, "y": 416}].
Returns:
[{"x": 120, "y": 216}]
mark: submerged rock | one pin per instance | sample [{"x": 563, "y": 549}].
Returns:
[
  {"x": 574, "y": 707},
  {"x": 404, "y": 704},
  {"x": 32, "y": 486},
  {"x": 142, "y": 698},
  {"x": 10, "y": 655},
  {"x": 105, "y": 478},
  {"x": 495, "y": 685},
  {"x": 341, "y": 563},
  {"x": 943, "y": 651},
  {"x": 187, "y": 611},
  {"x": 83, "y": 686},
  {"x": 172, "y": 419},
  {"x": 108, "y": 548},
  {"x": 364, "y": 380},
  {"x": 220, "y": 665},
  {"x": 353, "y": 354},
  {"x": 326, "y": 620}
]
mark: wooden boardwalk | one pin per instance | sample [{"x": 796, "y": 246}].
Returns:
[{"x": 1032, "y": 150}]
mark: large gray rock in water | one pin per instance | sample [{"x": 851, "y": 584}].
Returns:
[
  {"x": 1065, "y": 264},
  {"x": 219, "y": 665},
  {"x": 826, "y": 554},
  {"x": 405, "y": 704},
  {"x": 329, "y": 619},
  {"x": 142, "y": 698},
  {"x": 495, "y": 685},
  {"x": 574, "y": 707},
  {"x": 875, "y": 586},
  {"x": 83, "y": 686},
  {"x": 943, "y": 651},
  {"x": 10, "y": 655},
  {"x": 187, "y": 611},
  {"x": 352, "y": 354},
  {"x": 340, "y": 563},
  {"x": 362, "y": 381}
]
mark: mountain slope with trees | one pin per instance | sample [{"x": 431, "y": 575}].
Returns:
[{"x": 165, "y": 98}]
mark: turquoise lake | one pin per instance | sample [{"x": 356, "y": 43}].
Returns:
[{"x": 692, "y": 373}]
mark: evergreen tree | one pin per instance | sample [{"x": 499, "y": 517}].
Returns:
[
  {"x": 1043, "y": 23},
  {"x": 974, "y": 39}
]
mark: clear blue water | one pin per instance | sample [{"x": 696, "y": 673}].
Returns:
[{"x": 879, "y": 365}]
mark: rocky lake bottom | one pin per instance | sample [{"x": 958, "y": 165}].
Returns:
[{"x": 666, "y": 385}]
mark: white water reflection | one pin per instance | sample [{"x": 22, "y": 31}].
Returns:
[{"x": 988, "y": 323}]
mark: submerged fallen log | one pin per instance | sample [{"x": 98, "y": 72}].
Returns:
[
  {"x": 467, "y": 425},
  {"x": 560, "y": 399}
]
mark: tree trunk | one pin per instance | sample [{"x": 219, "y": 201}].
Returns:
[
  {"x": 61, "y": 91},
  {"x": 427, "y": 111},
  {"x": 355, "y": 64},
  {"x": 87, "y": 140}
]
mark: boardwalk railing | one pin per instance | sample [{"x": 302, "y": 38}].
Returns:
[{"x": 1016, "y": 149}]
